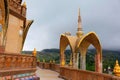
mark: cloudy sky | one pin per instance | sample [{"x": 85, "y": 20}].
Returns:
[{"x": 54, "y": 17}]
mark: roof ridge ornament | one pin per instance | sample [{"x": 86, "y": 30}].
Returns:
[{"x": 24, "y": 4}]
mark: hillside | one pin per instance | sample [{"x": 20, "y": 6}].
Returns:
[{"x": 109, "y": 56}]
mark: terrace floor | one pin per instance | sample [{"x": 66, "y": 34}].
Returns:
[{"x": 46, "y": 74}]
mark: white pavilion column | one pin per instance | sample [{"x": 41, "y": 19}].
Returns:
[
  {"x": 75, "y": 60},
  {"x": 83, "y": 62}
]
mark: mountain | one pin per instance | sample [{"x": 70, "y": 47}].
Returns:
[{"x": 109, "y": 57}]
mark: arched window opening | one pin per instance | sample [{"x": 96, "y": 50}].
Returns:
[
  {"x": 90, "y": 58},
  {"x": 68, "y": 55}
]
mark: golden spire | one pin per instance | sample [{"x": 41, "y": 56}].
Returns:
[
  {"x": 117, "y": 69},
  {"x": 24, "y": 4},
  {"x": 79, "y": 21},
  {"x": 34, "y": 52},
  {"x": 79, "y": 29}
]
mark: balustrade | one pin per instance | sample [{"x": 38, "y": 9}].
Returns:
[
  {"x": 74, "y": 74},
  {"x": 16, "y": 63},
  {"x": 69, "y": 73},
  {"x": 52, "y": 66}
]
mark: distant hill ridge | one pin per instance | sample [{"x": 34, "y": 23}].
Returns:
[
  {"x": 108, "y": 57},
  {"x": 58, "y": 51}
]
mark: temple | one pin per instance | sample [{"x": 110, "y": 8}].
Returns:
[
  {"x": 13, "y": 31},
  {"x": 17, "y": 66}
]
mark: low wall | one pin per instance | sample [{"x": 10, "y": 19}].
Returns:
[
  {"x": 69, "y": 73},
  {"x": 51, "y": 66},
  {"x": 75, "y": 74}
]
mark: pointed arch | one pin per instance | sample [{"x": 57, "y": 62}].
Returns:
[
  {"x": 83, "y": 44},
  {"x": 64, "y": 42}
]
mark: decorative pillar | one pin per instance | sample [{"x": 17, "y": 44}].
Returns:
[
  {"x": 19, "y": 62},
  {"x": 8, "y": 62},
  {"x": 31, "y": 60},
  {"x": 13, "y": 62},
  {"x": 83, "y": 62},
  {"x": 23, "y": 62},
  {"x": 98, "y": 63},
  {"x": 75, "y": 60},
  {"x": 2, "y": 62},
  {"x": 62, "y": 61},
  {"x": 34, "y": 62}
]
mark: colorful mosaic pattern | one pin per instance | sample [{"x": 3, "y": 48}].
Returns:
[{"x": 28, "y": 76}]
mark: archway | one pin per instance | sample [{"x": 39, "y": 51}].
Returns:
[
  {"x": 82, "y": 46},
  {"x": 90, "y": 58},
  {"x": 66, "y": 40}
]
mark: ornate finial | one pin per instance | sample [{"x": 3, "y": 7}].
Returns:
[
  {"x": 79, "y": 29},
  {"x": 117, "y": 69},
  {"x": 38, "y": 60},
  {"x": 67, "y": 33},
  {"x": 70, "y": 62},
  {"x": 43, "y": 60},
  {"x": 63, "y": 63},
  {"x": 53, "y": 61},
  {"x": 50, "y": 61},
  {"x": 24, "y": 4},
  {"x": 34, "y": 52}
]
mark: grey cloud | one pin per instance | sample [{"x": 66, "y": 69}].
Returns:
[{"x": 53, "y": 17}]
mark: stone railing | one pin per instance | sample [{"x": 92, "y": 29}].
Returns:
[
  {"x": 68, "y": 73},
  {"x": 11, "y": 64},
  {"x": 51, "y": 66},
  {"x": 18, "y": 8},
  {"x": 75, "y": 74}
]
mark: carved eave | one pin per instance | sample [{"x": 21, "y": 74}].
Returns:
[{"x": 27, "y": 26}]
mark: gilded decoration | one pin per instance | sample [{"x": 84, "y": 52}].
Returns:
[{"x": 116, "y": 69}]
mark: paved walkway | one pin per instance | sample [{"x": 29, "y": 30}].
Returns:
[{"x": 46, "y": 74}]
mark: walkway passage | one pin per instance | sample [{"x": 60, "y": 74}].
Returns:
[{"x": 46, "y": 74}]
